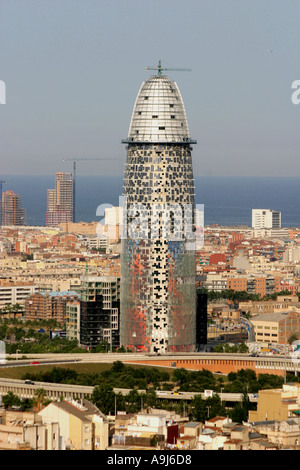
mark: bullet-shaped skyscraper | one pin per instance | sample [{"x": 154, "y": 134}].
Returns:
[{"x": 158, "y": 261}]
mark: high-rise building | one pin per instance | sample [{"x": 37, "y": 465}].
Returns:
[
  {"x": 60, "y": 201},
  {"x": 99, "y": 311},
  {"x": 266, "y": 218},
  {"x": 158, "y": 282},
  {"x": 12, "y": 213}
]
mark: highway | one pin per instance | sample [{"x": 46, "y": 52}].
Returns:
[
  {"x": 217, "y": 363},
  {"x": 139, "y": 357},
  {"x": 24, "y": 389}
]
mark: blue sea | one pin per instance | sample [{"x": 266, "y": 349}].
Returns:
[{"x": 227, "y": 200}]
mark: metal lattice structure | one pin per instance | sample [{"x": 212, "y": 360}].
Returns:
[{"x": 158, "y": 286}]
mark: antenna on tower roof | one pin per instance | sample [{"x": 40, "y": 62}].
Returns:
[{"x": 159, "y": 69}]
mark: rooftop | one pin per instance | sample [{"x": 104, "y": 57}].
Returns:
[{"x": 159, "y": 114}]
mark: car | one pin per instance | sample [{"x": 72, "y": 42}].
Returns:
[{"x": 35, "y": 362}]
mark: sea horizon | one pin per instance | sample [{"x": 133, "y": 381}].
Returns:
[{"x": 227, "y": 200}]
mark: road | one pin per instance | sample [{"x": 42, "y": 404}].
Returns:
[{"x": 66, "y": 391}]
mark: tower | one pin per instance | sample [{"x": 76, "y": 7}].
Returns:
[
  {"x": 158, "y": 261},
  {"x": 12, "y": 213},
  {"x": 60, "y": 200}
]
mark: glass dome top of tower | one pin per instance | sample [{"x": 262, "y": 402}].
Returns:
[{"x": 159, "y": 114}]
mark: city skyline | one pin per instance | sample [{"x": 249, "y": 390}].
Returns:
[{"x": 81, "y": 62}]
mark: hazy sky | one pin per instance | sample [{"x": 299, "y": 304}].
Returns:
[{"x": 73, "y": 68}]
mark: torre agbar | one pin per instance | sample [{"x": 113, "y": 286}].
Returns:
[{"x": 158, "y": 261}]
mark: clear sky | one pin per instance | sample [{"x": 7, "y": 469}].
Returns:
[{"x": 73, "y": 68}]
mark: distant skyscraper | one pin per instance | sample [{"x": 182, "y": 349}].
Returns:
[
  {"x": 60, "y": 201},
  {"x": 158, "y": 263},
  {"x": 12, "y": 213}
]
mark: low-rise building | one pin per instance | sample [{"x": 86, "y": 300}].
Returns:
[
  {"x": 82, "y": 426},
  {"x": 277, "y": 404},
  {"x": 49, "y": 305},
  {"x": 276, "y": 327},
  {"x": 25, "y": 431}
]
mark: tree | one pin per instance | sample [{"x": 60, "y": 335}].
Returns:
[
  {"x": 208, "y": 408},
  {"x": 180, "y": 376},
  {"x": 150, "y": 398},
  {"x": 133, "y": 401},
  {"x": 103, "y": 397},
  {"x": 241, "y": 410},
  {"x": 39, "y": 398},
  {"x": 292, "y": 338},
  {"x": 10, "y": 399}
]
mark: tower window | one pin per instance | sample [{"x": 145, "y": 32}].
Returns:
[
  {"x": 161, "y": 128},
  {"x": 154, "y": 116},
  {"x": 172, "y": 116}
]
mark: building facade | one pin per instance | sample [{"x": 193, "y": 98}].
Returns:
[
  {"x": 82, "y": 426},
  {"x": 50, "y": 305},
  {"x": 99, "y": 311},
  {"x": 12, "y": 212},
  {"x": 266, "y": 218},
  {"x": 158, "y": 285},
  {"x": 60, "y": 201},
  {"x": 12, "y": 293}
]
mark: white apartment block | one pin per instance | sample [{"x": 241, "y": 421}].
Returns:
[
  {"x": 215, "y": 282},
  {"x": 15, "y": 293},
  {"x": 266, "y": 219}
]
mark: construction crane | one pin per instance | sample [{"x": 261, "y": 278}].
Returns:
[
  {"x": 159, "y": 69},
  {"x": 1, "y": 183}
]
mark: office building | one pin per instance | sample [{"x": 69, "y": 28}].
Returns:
[
  {"x": 158, "y": 283},
  {"x": 60, "y": 201},
  {"x": 266, "y": 219},
  {"x": 12, "y": 212}
]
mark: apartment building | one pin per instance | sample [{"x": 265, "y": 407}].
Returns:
[
  {"x": 266, "y": 218},
  {"x": 21, "y": 430},
  {"x": 99, "y": 310},
  {"x": 49, "y": 305},
  {"x": 276, "y": 327},
  {"x": 12, "y": 212},
  {"x": 82, "y": 426},
  {"x": 237, "y": 283},
  {"x": 282, "y": 303},
  {"x": 73, "y": 320},
  {"x": 215, "y": 282},
  {"x": 277, "y": 404},
  {"x": 253, "y": 284},
  {"x": 15, "y": 292},
  {"x": 60, "y": 201}
]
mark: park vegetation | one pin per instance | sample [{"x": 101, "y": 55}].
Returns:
[{"x": 143, "y": 383}]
